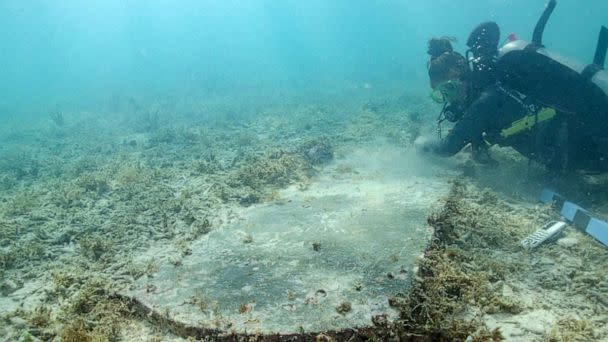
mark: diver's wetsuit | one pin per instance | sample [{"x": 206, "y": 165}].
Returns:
[
  {"x": 482, "y": 116},
  {"x": 560, "y": 143},
  {"x": 573, "y": 133}
]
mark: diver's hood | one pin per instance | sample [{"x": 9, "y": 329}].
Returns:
[{"x": 483, "y": 40}]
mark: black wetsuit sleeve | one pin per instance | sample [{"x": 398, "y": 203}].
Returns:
[{"x": 469, "y": 129}]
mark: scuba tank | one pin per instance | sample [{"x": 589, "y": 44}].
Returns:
[
  {"x": 552, "y": 79},
  {"x": 549, "y": 78}
]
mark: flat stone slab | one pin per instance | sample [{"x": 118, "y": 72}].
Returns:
[{"x": 326, "y": 258}]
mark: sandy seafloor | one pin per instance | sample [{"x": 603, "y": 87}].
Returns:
[{"x": 94, "y": 200}]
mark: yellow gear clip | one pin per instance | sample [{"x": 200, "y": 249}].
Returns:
[{"x": 527, "y": 122}]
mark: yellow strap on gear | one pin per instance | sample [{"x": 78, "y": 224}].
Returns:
[{"x": 527, "y": 122}]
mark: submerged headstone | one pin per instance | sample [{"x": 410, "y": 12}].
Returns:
[{"x": 324, "y": 258}]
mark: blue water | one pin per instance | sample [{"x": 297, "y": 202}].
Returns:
[{"x": 62, "y": 53}]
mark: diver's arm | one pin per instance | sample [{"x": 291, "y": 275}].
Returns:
[{"x": 469, "y": 128}]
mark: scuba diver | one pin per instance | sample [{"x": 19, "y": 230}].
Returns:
[{"x": 549, "y": 109}]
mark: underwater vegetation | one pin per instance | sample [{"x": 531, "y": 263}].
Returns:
[
  {"x": 88, "y": 198},
  {"x": 451, "y": 279},
  {"x": 470, "y": 270},
  {"x": 113, "y": 202},
  {"x": 455, "y": 285},
  {"x": 16, "y": 166},
  {"x": 398, "y": 120},
  {"x": 278, "y": 168},
  {"x": 260, "y": 175},
  {"x": 58, "y": 119},
  {"x": 148, "y": 121},
  {"x": 571, "y": 329},
  {"x": 317, "y": 152}
]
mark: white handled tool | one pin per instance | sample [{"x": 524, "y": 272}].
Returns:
[{"x": 548, "y": 232}]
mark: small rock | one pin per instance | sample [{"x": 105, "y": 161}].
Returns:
[
  {"x": 323, "y": 338},
  {"x": 176, "y": 261},
  {"x": 18, "y": 322},
  {"x": 289, "y": 307},
  {"x": 344, "y": 308},
  {"x": 507, "y": 291},
  {"x": 320, "y": 293},
  {"x": 544, "y": 261},
  {"x": 247, "y": 239},
  {"x": 64, "y": 238},
  {"x": 8, "y": 286},
  {"x": 380, "y": 320},
  {"x": 316, "y": 246},
  {"x": 249, "y": 199},
  {"x": 568, "y": 242}
]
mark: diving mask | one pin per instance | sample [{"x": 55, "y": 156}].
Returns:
[{"x": 447, "y": 91}]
